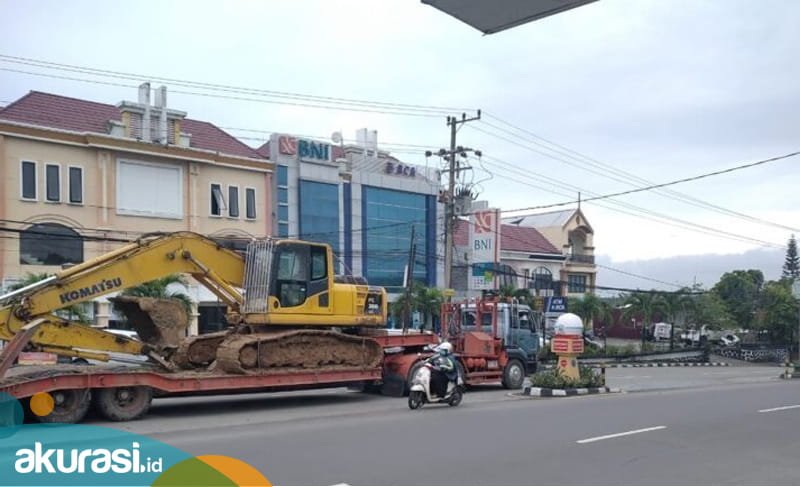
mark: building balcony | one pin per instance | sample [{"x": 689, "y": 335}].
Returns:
[{"x": 581, "y": 259}]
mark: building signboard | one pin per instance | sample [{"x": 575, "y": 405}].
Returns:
[
  {"x": 397, "y": 169},
  {"x": 305, "y": 150},
  {"x": 484, "y": 237},
  {"x": 556, "y": 304}
]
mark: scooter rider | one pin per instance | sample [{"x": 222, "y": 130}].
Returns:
[{"x": 444, "y": 369}]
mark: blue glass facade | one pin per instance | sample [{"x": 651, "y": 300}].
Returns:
[
  {"x": 319, "y": 212},
  {"x": 387, "y": 217}
]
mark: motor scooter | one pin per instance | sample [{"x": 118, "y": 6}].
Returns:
[{"x": 420, "y": 392}]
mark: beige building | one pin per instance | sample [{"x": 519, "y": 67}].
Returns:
[
  {"x": 570, "y": 232},
  {"x": 79, "y": 178}
]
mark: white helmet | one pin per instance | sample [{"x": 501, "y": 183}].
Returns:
[{"x": 445, "y": 348}]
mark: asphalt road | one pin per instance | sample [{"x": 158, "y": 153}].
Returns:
[{"x": 709, "y": 430}]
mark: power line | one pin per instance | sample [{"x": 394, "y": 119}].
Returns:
[
  {"x": 649, "y": 215},
  {"x": 310, "y": 101},
  {"x": 673, "y": 182},
  {"x": 628, "y": 178}
]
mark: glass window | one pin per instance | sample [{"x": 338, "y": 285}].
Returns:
[
  {"x": 233, "y": 201},
  {"x": 250, "y": 203},
  {"x": 50, "y": 244},
  {"x": 576, "y": 283},
  {"x": 28, "y": 176},
  {"x": 319, "y": 267},
  {"x": 283, "y": 195},
  {"x": 52, "y": 182},
  {"x": 319, "y": 213},
  {"x": 217, "y": 201},
  {"x": 76, "y": 185},
  {"x": 283, "y": 229},
  {"x": 388, "y": 218},
  {"x": 283, "y": 213},
  {"x": 283, "y": 176}
]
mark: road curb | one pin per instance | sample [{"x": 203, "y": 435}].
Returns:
[
  {"x": 656, "y": 364},
  {"x": 671, "y": 364},
  {"x": 547, "y": 392}
]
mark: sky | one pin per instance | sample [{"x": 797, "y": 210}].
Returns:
[{"x": 643, "y": 89}]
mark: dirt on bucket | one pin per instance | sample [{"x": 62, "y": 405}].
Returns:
[{"x": 161, "y": 323}]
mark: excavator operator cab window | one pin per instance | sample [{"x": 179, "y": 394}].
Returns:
[
  {"x": 291, "y": 275},
  {"x": 301, "y": 272}
]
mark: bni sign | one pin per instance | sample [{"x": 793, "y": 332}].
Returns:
[{"x": 484, "y": 242}]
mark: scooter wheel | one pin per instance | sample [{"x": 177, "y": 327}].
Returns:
[
  {"x": 456, "y": 398},
  {"x": 415, "y": 400}
]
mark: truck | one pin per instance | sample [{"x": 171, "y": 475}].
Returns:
[
  {"x": 495, "y": 339},
  {"x": 293, "y": 325}
]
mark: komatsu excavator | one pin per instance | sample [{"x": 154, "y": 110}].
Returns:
[{"x": 285, "y": 307}]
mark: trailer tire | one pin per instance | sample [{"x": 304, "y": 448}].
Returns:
[
  {"x": 513, "y": 374},
  {"x": 70, "y": 406},
  {"x": 123, "y": 403}
]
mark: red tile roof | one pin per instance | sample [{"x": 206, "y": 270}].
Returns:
[
  {"x": 513, "y": 238},
  {"x": 65, "y": 113}
]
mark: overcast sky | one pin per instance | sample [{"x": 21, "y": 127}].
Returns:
[{"x": 659, "y": 89}]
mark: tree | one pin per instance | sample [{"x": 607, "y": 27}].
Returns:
[
  {"x": 425, "y": 300},
  {"x": 739, "y": 291},
  {"x": 588, "y": 307},
  {"x": 779, "y": 314},
  {"x": 75, "y": 312},
  {"x": 676, "y": 304},
  {"x": 791, "y": 266},
  {"x": 710, "y": 310},
  {"x": 646, "y": 305},
  {"x": 159, "y": 288}
]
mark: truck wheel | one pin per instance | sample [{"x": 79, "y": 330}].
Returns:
[
  {"x": 513, "y": 374},
  {"x": 69, "y": 406},
  {"x": 123, "y": 403}
]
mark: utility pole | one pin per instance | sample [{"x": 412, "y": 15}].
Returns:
[
  {"x": 412, "y": 255},
  {"x": 453, "y": 168}
]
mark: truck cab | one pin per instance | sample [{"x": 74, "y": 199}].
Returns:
[{"x": 517, "y": 328}]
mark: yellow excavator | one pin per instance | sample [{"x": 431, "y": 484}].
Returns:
[{"x": 286, "y": 307}]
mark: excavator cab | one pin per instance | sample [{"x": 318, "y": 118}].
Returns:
[{"x": 291, "y": 282}]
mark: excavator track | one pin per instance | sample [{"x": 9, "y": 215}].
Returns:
[
  {"x": 199, "y": 351},
  {"x": 296, "y": 350}
]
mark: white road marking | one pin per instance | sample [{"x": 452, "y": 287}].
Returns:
[
  {"x": 616, "y": 435},
  {"x": 782, "y": 408}
]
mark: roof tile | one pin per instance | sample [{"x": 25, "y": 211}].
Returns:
[{"x": 65, "y": 113}]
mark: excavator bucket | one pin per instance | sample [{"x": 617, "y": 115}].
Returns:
[{"x": 161, "y": 323}]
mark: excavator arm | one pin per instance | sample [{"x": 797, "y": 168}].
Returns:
[{"x": 29, "y": 310}]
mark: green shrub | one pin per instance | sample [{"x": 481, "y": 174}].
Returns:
[{"x": 554, "y": 379}]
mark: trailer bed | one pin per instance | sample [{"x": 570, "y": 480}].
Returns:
[{"x": 24, "y": 381}]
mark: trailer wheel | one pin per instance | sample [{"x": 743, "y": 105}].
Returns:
[
  {"x": 69, "y": 406},
  {"x": 123, "y": 403},
  {"x": 513, "y": 374}
]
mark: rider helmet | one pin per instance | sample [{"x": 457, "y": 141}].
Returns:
[{"x": 445, "y": 348}]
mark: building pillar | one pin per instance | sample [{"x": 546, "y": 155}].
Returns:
[
  {"x": 103, "y": 314},
  {"x": 193, "y": 321}
]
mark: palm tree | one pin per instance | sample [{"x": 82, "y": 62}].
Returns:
[
  {"x": 428, "y": 301},
  {"x": 158, "y": 289},
  {"x": 646, "y": 305},
  {"x": 674, "y": 304},
  {"x": 75, "y": 312},
  {"x": 588, "y": 308}
]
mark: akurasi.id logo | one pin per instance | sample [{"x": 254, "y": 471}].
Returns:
[{"x": 86, "y": 455}]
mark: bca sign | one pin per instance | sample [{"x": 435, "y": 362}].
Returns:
[{"x": 484, "y": 242}]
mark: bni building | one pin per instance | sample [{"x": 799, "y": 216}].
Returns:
[{"x": 363, "y": 202}]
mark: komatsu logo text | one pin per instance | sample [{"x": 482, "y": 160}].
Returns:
[{"x": 88, "y": 291}]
